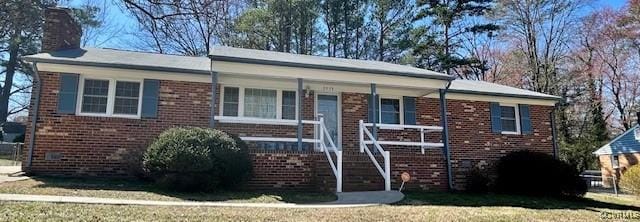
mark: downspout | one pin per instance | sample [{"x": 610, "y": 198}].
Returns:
[
  {"x": 554, "y": 136},
  {"x": 214, "y": 92},
  {"x": 445, "y": 133},
  {"x": 34, "y": 116}
]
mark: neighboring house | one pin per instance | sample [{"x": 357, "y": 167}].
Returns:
[
  {"x": 619, "y": 154},
  {"x": 95, "y": 108},
  {"x": 11, "y": 130}
]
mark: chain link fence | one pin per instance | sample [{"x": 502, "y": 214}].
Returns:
[
  {"x": 10, "y": 154},
  {"x": 598, "y": 183}
]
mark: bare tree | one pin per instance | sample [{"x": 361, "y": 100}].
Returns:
[
  {"x": 543, "y": 31},
  {"x": 99, "y": 26},
  {"x": 182, "y": 26}
]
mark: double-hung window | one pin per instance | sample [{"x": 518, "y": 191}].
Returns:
[
  {"x": 390, "y": 112},
  {"x": 259, "y": 103},
  {"x": 509, "y": 119},
  {"x": 288, "y": 104},
  {"x": 110, "y": 97}
]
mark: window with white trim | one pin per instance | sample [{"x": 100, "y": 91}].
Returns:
[
  {"x": 288, "y": 104},
  {"x": 616, "y": 162},
  {"x": 127, "y": 98},
  {"x": 509, "y": 119},
  {"x": 259, "y": 103},
  {"x": 110, "y": 97},
  {"x": 390, "y": 111},
  {"x": 231, "y": 101}
]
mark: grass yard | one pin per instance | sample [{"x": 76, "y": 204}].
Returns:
[
  {"x": 127, "y": 189},
  {"x": 417, "y": 206}
]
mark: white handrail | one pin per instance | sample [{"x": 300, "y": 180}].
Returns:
[
  {"x": 386, "y": 172},
  {"x": 401, "y": 127},
  {"x": 423, "y": 130},
  {"x": 337, "y": 170},
  {"x": 322, "y": 132}
]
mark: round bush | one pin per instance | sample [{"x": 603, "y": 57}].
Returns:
[
  {"x": 195, "y": 159},
  {"x": 478, "y": 182},
  {"x": 537, "y": 174},
  {"x": 630, "y": 180},
  {"x": 236, "y": 166}
]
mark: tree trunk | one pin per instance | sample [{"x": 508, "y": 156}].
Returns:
[{"x": 8, "y": 81}]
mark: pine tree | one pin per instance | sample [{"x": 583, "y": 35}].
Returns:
[{"x": 445, "y": 18}]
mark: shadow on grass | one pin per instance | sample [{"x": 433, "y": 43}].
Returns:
[
  {"x": 143, "y": 186},
  {"x": 500, "y": 200}
]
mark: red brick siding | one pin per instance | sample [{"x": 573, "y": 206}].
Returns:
[
  {"x": 472, "y": 143},
  {"x": 284, "y": 170},
  {"x": 60, "y": 30},
  {"x": 99, "y": 146}
]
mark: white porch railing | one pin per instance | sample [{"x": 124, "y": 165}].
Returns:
[
  {"x": 367, "y": 138},
  {"x": 337, "y": 170},
  {"x": 319, "y": 138},
  {"x": 386, "y": 172},
  {"x": 423, "y": 130}
]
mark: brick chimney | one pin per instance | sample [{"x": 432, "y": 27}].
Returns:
[{"x": 61, "y": 30}]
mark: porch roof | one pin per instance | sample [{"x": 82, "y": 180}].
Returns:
[{"x": 231, "y": 54}]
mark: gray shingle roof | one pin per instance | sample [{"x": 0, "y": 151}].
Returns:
[
  {"x": 114, "y": 58},
  {"x": 625, "y": 143},
  {"x": 487, "y": 88},
  {"x": 223, "y": 53}
]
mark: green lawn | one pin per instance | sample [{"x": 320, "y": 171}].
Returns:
[
  {"x": 417, "y": 206},
  {"x": 128, "y": 189}
]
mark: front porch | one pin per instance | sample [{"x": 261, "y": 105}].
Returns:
[{"x": 333, "y": 139}]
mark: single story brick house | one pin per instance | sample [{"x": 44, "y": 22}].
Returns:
[
  {"x": 313, "y": 123},
  {"x": 618, "y": 155}
]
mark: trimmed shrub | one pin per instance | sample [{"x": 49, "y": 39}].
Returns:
[
  {"x": 237, "y": 166},
  {"x": 194, "y": 159},
  {"x": 630, "y": 180},
  {"x": 478, "y": 182},
  {"x": 537, "y": 174}
]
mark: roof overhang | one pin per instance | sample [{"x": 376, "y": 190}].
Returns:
[
  {"x": 325, "y": 75},
  {"x": 117, "y": 65},
  {"x": 217, "y": 58},
  {"x": 554, "y": 99}
]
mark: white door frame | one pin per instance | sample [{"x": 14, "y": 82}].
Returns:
[{"x": 339, "y": 109}]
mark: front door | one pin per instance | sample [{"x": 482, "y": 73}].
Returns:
[{"x": 327, "y": 105}]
